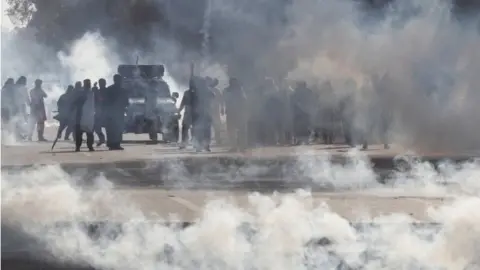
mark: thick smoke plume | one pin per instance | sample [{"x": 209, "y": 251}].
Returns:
[
  {"x": 429, "y": 54},
  {"x": 268, "y": 231}
]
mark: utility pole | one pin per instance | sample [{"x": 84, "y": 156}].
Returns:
[{"x": 205, "y": 50}]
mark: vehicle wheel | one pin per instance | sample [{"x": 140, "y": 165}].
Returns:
[
  {"x": 153, "y": 136},
  {"x": 138, "y": 129},
  {"x": 167, "y": 137}
]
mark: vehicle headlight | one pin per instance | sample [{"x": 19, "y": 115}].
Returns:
[{"x": 165, "y": 101}]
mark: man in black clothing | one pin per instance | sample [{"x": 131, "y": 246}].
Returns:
[
  {"x": 300, "y": 102},
  {"x": 202, "y": 98},
  {"x": 80, "y": 99},
  {"x": 99, "y": 115},
  {"x": 64, "y": 113},
  {"x": 78, "y": 86},
  {"x": 186, "y": 104},
  {"x": 116, "y": 101},
  {"x": 273, "y": 110},
  {"x": 235, "y": 101}
]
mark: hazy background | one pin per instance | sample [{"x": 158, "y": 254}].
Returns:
[{"x": 429, "y": 49}]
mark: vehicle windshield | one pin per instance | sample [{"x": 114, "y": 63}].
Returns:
[
  {"x": 138, "y": 79},
  {"x": 134, "y": 89},
  {"x": 138, "y": 88}
]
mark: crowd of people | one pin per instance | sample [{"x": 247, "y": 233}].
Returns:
[
  {"x": 272, "y": 114},
  {"x": 266, "y": 115},
  {"x": 17, "y": 102},
  {"x": 86, "y": 109},
  {"x": 81, "y": 109}
]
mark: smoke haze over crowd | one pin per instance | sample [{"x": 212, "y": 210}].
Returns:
[{"x": 430, "y": 54}]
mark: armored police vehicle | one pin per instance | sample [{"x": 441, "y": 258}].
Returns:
[{"x": 151, "y": 107}]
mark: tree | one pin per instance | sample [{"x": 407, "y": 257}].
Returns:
[{"x": 20, "y": 11}]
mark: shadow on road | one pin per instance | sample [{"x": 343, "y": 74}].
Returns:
[{"x": 72, "y": 151}]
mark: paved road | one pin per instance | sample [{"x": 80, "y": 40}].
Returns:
[
  {"x": 189, "y": 202},
  {"x": 139, "y": 149},
  {"x": 121, "y": 205},
  {"x": 160, "y": 165},
  {"x": 40, "y": 153},
  {"x": 165, "y": 166},
  {"x": 145, "y": 165}
]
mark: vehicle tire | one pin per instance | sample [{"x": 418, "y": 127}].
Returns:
[
  {"x": 167, "y": 137},
  {"x": 153, "y": 136}
]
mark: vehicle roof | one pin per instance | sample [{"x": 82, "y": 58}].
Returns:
[{"x": 145, "y": 71}]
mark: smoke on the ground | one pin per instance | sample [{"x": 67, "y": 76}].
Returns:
[
  {"x": 432, "y": 59},
  {"x": 268, "y": 231}
]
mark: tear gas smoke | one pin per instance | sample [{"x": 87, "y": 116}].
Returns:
[
  {"x": 432, "y": 60},
  {"x": 90, "y": 56},
  {"x": 430, "y": 56},
  {"x": 279, "y": 231}
]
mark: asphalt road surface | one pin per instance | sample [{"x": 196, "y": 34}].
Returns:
[
  {"x": 139, "y": 147},
  {"x": 189, "y": 205},
  {"x": 143, "y": 164},
  {"x": 156, "y": 200},
  {"x": 40, "y": 152},
  {"x": 161, "y": 199}
]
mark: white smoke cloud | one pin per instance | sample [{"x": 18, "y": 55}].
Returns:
[
  {"x": 279, "y": 231},
  {"x": 431, "y": 57},
  {"x": 417, "y": 43},
  {"x": 420, "y": 45},
  {"x": 89, "y": 57}
]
